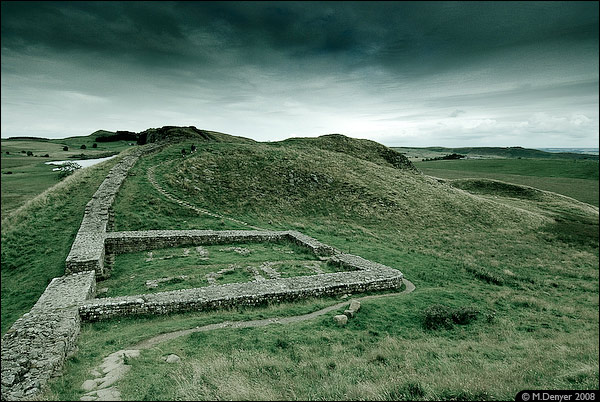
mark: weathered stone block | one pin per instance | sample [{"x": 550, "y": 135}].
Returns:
[{"x": 340, "y": 320}]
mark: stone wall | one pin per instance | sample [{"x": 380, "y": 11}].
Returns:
[
  {"x": 371, "y": 276},
  {"x": 130, "y": 242},
  {"x": 242, "y": 294},
  {"x": 87, "y": 251},
  {"x": 36, "y": 345}
]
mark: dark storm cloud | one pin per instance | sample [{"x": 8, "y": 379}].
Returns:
[
  {"x": 390, "y": 34},
  {"x": 337, "y": 65}
]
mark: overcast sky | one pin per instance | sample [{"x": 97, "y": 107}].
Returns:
[{"x": 400, "y": 73}]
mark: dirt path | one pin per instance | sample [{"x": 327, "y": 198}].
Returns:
[{"x": 113, "y": 366}]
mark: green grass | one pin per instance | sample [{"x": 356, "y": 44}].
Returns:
[
  {"x": 28, "y": 179},
  {"x": 574, "y": 178},
  {"x": 573, "y": 169},
  {"x": 505, "y": 252},
  {"x": 131, "y": 271}
]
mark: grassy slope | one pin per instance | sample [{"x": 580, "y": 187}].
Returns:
[
  {"x": 512, "y": 258},
  {"x": 574, "y": 178},
  {"x": 30, "y": 175}
]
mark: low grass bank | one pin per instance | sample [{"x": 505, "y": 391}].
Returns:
[{"x": 574, "y": 178}]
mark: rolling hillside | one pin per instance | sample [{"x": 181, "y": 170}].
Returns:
[{"x": 525, "y": 261}]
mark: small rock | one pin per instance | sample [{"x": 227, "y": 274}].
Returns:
[
  {"x": 173, "y": 359},
  {"x": 354, "y": 306},
  {"x": 344, "y": 297},
  {"x": 8, "y": 380},
  {"x": 349, "y": 313},
  {"x": 109, "y": 394},
  {"x": 88, "y": 385},
  {"x": 131, "y": 353},
  {"x": 340, "y": 320},
  {"x": 101, "y": 291},
  {"x": 31, "y": 391}
]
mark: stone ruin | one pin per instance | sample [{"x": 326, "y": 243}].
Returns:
[{"x": 35, "y": 347}]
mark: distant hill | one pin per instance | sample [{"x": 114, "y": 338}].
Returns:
[
  {"x": 503, "y": 152},
  {"x": 588, "y": 151},
  {"x": 174, "y": 133},
  {"x": 28, "y": 138}
]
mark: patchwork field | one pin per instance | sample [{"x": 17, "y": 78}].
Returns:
[{"x": 24, "y": 177}]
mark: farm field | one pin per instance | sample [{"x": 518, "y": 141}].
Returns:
[{"x": 24, "y": 177}]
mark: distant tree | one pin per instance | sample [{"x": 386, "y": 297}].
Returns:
[
  {"x": 94, "y": 145},
  {"x": 7, "y": 153},
  {"x": 65, "y": 148},
  {"x": 29, "y": 153},
  {"x": 83, "y": 146}
]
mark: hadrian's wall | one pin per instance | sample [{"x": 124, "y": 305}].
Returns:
[
  {"x": 36, "y": 345},
  {"x": 87, "y": 251}
]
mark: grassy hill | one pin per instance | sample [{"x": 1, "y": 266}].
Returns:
[{"x": 525, "y": 261}]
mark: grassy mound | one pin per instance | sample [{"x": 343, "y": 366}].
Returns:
[
  {"x": 358, "y": 148},
  {"x": 174, "y": 134},
  {"x": 498, "y": 188}
]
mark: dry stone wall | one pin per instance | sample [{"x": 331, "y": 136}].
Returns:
[
  {"x": 36, "y": 345},
  {"x": 237, "y": 294},
  {"x": 87, "y": 251},
  {"x": 368, "y": 275},
  {"x": 129, "y": 242}
]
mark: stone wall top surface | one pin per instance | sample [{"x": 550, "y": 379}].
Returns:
[{"x": 67, "y": 291}]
